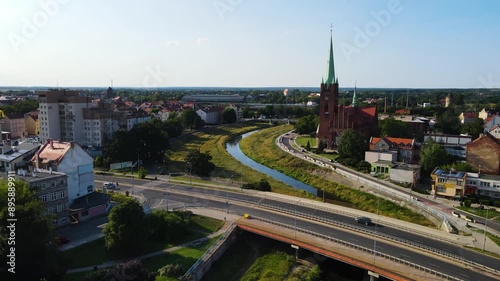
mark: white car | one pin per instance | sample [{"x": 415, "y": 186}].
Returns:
[{"x": 109, "y": 185}]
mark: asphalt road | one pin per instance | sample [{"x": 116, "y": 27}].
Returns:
[
  {"x": 434, "y": 204},
  {"x": 199, "y": 196}
]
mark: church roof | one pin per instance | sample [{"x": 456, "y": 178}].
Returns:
[{"x": 330, "y": 71}]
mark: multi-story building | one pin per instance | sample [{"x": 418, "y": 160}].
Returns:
[
  {"x": 406, "y": 148},
  {"x": 491, "y": 122},
  {"x": 15, "y": 125},
  {"x": 31, "y": 123},
  {"x": 484, "y": 154},
  {"x": 100, "y": 123},
  {"x": 455, "y": 145},
  {"x": 211, "y": 114},
  {"x": 495, "y": 131},
  {"x": 61, "y": 115},
  {"x": 448, "y": 183},
  {"x": 71, "y": 159},
  {"x": 52, "y": 189},
  {"x": 481, "y": 184},
  {"x": 468, "y": 117},
  {"x": 15, "y": 157},
  {"x": 137, "y": 116}
]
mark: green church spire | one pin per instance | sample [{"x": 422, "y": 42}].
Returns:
[
  {"x": 354, "y": 97},
  {"x": 330, "y": 71}
]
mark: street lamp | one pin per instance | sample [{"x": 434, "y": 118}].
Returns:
[
  {"x": 485, "y": 228},
  {"x": 166, "y": 199}
]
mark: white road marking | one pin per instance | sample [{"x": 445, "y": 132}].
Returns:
[
  {"x": 158, "y": 205},
  {"x": 434, "y": 265}
]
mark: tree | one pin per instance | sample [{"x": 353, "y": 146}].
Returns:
[
  {"x": 352, "y": 145},
  {"x": 307, "y": 124},
  {"x": 308, "y": 146},
  {"x": 125, "y": 229},
  {"x": 36, "y": 254},
  {"x": 190, "y": 119},
  {"x": 199, "y": 163},
  {"x": 229, "y": 115},
  {"x": 321, "y": 147},
  {"x": 473, "y": 129},
  {"x": 246, "y": 112},
  {"x": 171, "y": 270},
  {"x": 432, "y": 155},
  {"x": 448, "y": 122},
  {"x": 394, "y": 128},
  {"x": 142, "y": 173},
  {"x": 164, "y": 226}
]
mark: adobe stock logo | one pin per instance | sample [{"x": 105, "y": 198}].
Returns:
[
  {"x": 39, "y": 19},
  {"x": 153, "y": 77},
  {"x": 372, "y": 29},
  {"x": 488, "y": 82},
  {"x": 224, "y": 6}
]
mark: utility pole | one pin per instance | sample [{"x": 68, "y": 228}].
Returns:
[{"x": 485, "y": 229}]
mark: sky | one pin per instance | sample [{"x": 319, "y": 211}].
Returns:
[{"x": 249, "y": 43}]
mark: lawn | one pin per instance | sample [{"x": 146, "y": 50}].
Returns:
[
  {"x": 95, "y": 253},
  {"x": 261, "y": 148},
  {"x": 275, "y": 266},
  {"x": 302, "y": 141},
  {"x": 481, "y": 213},
  {"x": 186, "y": 256}
]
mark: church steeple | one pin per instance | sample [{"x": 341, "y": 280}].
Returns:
[
  {"x": 330, "y": 71},
  {"x": 354, "y": 97}
]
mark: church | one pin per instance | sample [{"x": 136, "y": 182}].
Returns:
[{"x": 335, "y": 118}]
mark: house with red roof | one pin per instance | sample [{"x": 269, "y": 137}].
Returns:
[
  {"x": 407, "y": 150},
  {"x": 468, "y": 117},
  {"x": 495, "y": 131}
]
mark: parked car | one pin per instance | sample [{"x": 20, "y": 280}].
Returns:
[
  {"x": 363, "y": 220},
  {"x": 109, "y": 185}
]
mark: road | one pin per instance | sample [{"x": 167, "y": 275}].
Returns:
[
  {"x": 158, "y": 193},
  {"x": 446, "y": 210}
]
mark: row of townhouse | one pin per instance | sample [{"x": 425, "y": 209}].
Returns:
[
  {"x": 62, "y": 175},
  {"x": 16, "y": 125},
  {"x": 457, "y": 184}
]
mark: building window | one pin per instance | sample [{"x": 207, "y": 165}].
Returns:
[
  {"x": 44, "y": 198},
  {"x": 441, "y": 189},
  {"x": 54, "y": 196},
  {"x": 85, "y": 213},
  {"x": 62, "y": 194}
]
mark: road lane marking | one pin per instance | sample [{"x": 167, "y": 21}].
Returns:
[{"x": 434, "y": 265}]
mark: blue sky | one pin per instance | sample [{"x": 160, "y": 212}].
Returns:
[{"x": 249, "y": 43}]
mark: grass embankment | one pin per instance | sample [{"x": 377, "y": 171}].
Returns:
[
  {"x": 492, "y": 215},
  {"x": 302, "y": 141},
  {"x": 186, "y": 256},
  {"x": 280, "y": 266},
  {"x": 214, "y": 140},
  {"x": 232, "y": 264},
  {"x": 95, "y": 253},
  {"x": 261, "y": 148}
]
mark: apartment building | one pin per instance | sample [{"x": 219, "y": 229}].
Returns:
[
  {"x": 137, "y": 116},
  {"x": 448, "y": 183},
  {"x": 15, "y": 125},
  {"x": 52, "y": 189},
  {"x": 61, "y": 115},
  {"x": 100, "y": 123}
]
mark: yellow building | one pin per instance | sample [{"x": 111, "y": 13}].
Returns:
[
  {"x": 448, "y": 183},
  {"x": 31, "y": 123}
]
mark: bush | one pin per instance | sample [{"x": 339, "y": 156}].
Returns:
[
  {"x": 142, "y": 173},
  {"x": 485, "y": 202},
  {"x": 164, "y": 226},
  {"x": 467, "y": 203},
  {"x": 171, "y": 270},
  {"x": 262, "y": 185}
]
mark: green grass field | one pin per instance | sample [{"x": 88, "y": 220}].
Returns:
[
  {"x": 481, "y": 213},
  {"x": 302, "y": 141},
  {"x": 231, "y": 264},
  {"x": 261, "y": 148},
  {"x": 275, "y": 266}
]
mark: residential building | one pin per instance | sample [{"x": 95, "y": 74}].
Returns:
[
  {"x": 15, "y": 157},
  {"x": 483, "y": 114},
  {"x": 31, "y": 123},
  {"x": 14, "y": 123},
  {"x": 491, "y": 122},
  {"x": 484, "y": 154},
  {"x": 61, "y": 115},
  {"x": 136, "y": 116},
  {"x": 52, "y": 189},
  {"x": 455, "y": 145},
  {"x": 100, "y": 123},
  {"x": 223, "y": 98},
  {"x": 211, "y": 114},
  {"x": 381, "y": 161},
  {"x": 448, "y": 183},
  {"x": 405, "y": 148},
  {"x": 71, "y": 159},
  {"x": 335, "y": 118},
  {"x": 468, "y": 117},
  {"x": 495, "y": 131}
]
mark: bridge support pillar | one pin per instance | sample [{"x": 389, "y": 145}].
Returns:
[{"x": 373, "y": 276}]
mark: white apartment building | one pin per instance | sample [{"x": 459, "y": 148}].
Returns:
[
  {"x": 61, "y": 115},
  {"x": 482, "y": 184},
  {"x": 100, "y": 123},
  {"x": 137, "y": 116}
]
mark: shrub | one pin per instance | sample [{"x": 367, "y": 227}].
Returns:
[
  {"x": 467, "y": 203},
  {"x": 485, "y": 202},
  {"x": 142, "y": 173},
  {"x": 171, "y": 270}
]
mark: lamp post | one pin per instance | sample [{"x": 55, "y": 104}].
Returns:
[
  {"x": 166, "y": 199},
  {"x": 485, "y": 228},
  {"x": 296, "y": 217}
]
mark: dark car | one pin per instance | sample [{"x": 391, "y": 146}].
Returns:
[
  {"x": 363, "y": 220},
  {"x": 62, "y": 240}
]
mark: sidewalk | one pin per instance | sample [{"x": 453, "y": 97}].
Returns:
[{"x": 153, "y": 254}]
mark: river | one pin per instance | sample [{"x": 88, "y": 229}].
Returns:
[{"x": 233, "y": 148}]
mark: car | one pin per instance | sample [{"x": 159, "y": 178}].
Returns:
[
  {"x": 109, "y": 185},
  {"x": 62, "y": 240},
  {"x": 363, "y": 220}
]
